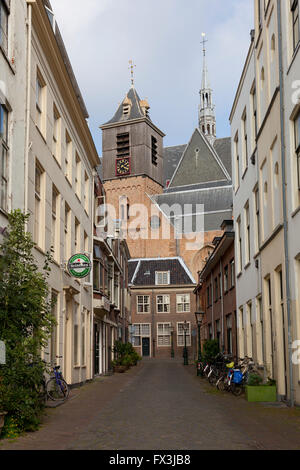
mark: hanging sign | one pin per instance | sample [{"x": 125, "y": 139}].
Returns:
[
  {"x": 79, "y": 266},
  {"x": 2, "y": 353}
]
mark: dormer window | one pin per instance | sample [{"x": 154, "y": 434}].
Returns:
[
  {"x": 126, "y": 107},
  {"x": 162, "y": 278}
]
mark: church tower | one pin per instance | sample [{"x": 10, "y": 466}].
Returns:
[
  {"x": 132, "y": 166},
  {"x": 207, "y": 118}
]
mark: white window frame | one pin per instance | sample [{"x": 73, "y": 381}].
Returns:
[
  {"x": 180, "y": 334},
  {"x": 164, "y": 333},
  {"x": 166, "y": 302},
  {"x": 162, "y": 278},
  {"x": 184, "y": 303},
  {"x": 143, "y": 304}
]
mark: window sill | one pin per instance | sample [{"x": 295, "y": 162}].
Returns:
[
  {"x": 247, "y": 265},
  {"x": 41, "y": 133},
  {"x": 239, "y": 274},
  {"x": 12, "y": 68},
  {"x": 297, "y": 48},
  {"x": 40, "y": 250},
  {"x": 57, "y": 161},
  {"x": 296, "y": 211},
  {"x": 68, "y": 181},
  {"x": 244, "y": 173}
]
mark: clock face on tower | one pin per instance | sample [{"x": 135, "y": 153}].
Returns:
[{"x": 123, "y": 166}]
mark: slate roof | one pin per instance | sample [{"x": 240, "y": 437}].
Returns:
[
  {"x": 136, "y": 111},
  {"x": 143, "y": 271},
  {"x": 216, "y": 202},
  {"x": 173, "y": 155}
]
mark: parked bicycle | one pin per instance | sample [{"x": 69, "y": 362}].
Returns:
[{"x": 57, "y": 388}]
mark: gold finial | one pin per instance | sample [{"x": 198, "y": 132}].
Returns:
[{"x": 131, "y": 67}]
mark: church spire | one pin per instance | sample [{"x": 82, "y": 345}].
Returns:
[{"x": 207, "y": 118}]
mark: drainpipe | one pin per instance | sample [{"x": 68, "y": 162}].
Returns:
[
  {"x": 284, "y": 200},
  {"x": 222, "y": 298},
  {"x": 28, "y": 94}
]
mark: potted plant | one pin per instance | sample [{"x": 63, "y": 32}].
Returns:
[
  {"x": 118, "y": 367},
  {"x": 256, "y": 391}
]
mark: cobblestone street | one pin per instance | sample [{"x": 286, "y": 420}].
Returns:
[{"x": 161, "y": 405}]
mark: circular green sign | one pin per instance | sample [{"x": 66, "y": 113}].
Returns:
[{"x": 79, "y": 266}]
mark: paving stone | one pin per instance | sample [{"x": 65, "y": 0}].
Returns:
[{"x": 161, "y": 405}]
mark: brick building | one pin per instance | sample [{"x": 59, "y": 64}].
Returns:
[
  {"x": 216, "y": 294},
  {"x": 162, "y": 300}
]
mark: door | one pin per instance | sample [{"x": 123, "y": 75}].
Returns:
[
  {"x": 97, "y": 350},
  {"x": 146, "y": 347}
]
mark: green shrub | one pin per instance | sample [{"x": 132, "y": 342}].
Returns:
[
  {"x": 210, "y": 349},
  {"x": 25, "y": 327},
  {"x": 254, "y": 380}
]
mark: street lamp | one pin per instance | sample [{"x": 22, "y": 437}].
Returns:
[
  {"x": 172, "y": 341},
  {"x": 185, "y": 352},
  {"x": 199, "y": 319}
]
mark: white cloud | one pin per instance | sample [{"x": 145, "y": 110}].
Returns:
[{"x": 163, "y": 38}]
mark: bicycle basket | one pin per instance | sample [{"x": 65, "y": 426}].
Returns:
[{"x": 237, "y": 377}]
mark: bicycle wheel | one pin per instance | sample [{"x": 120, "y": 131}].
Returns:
[
  {"x": 57, "y": 391},
  {"x": 237, "y": 390}
]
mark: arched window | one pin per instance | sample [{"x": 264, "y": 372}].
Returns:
[{"x": 208, "y": 129}]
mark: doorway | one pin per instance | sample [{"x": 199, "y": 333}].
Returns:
[{"x": 146, "y": 347}]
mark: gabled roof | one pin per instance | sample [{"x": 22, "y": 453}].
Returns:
[
  {"x": 199, "y": 163},
  {"x": 142, "y": 271},
  {"x": 135, "y": 109}
]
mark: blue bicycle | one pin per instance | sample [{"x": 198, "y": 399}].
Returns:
[{"x": 57, "y": 388}]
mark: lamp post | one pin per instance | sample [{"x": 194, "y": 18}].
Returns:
[
  {"x": 172, "y": 341},
  {"x": 185, "y": 351},
  {"x": 199, "y": 319}
]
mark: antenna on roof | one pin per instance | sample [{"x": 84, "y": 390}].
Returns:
[{"x": 131, "y": 67}]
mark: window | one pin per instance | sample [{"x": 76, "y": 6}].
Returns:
[
  {"x": 78, "y": 176},
  {"x": 226, "y": 285},
  {"x": 183, "y": 338},
  {"x": 123, "y": 146},
  {"x": 297, "y": 145},
  {"x": 208, "y": 296},
  {"x": 183, "y": 303},
  {"x": 163, "y": 334},
  {"x": 232, "y": 273},
  {"x": 56, "y": 134},
  {"x": 4, "y": 26},
  {"x": 38, "y": 216},
  {"x": 68, "y": 158},
  {"x": 257, "y": 216},
  {"x": 77, "y": 236},
  {"x": 96, "y": 275},
  {"x": 245, "y": 146},
  {"x": 55, "y": 222},
  {"x": 254, "y": 110},
  {"x": 247, "y": 228},
  {"x": 296, "y": 26},
  {"x": 40, "y": 102},
  {"x": 86, "y": 192},
  {"x": 163, "y": 304},
  {"x": 154, "y": 150},
  {"x": 239, "y": 246},
  {"x": 76, "y": 336},
  {"x": 67, "y": 232},
  {"x": 54, "y": 337},
  {"x": 83, "y": 338},
  {"x": 4, "y": 157},
  {"x": 143, "y": 304},
  {"x": 162, "y": 278},
  {"x": 229, "y": 334},
  {"x": 216, "y": 290},
  {"x": 237, "y": 162},
  {"x": 140, "y": 330}
]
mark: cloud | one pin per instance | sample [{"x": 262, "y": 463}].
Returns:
[{"x": 163, "y": 38}]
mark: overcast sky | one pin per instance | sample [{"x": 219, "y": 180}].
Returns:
[{"x": 163, "y": 39}]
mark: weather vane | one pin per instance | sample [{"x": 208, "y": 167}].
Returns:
[
  {"x": 203, "y": 42},
  {"x": 131, "y": 67}
]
